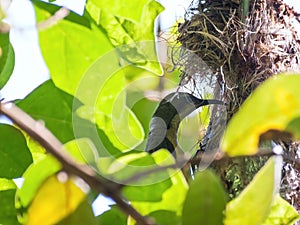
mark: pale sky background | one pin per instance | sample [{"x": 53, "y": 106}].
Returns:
[{"x": 30, "y": 69}]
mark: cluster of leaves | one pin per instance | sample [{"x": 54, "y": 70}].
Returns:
[{"x": 114, "y": 33}]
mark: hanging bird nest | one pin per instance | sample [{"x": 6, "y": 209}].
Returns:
[
  {"x": 241, "y": 51},
  {"x": 242, "y": 46}
]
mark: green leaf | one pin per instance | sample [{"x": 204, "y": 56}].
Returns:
[
  {"x": 294, "y": 127},
  {"x": 165, "y": 217},
  {"x": 130, "y": 37},
  {"x": 253, "y": 205},
  {"x": 6, "y": 184},
  {"x": 272, "y": 106},
  {"x": 53, "y": 107},
  {"x": 205, "y": 200},
  {"x": 8, "y": 212},
  {"x": 112, "y": 216},
  {"x": 72, "y": 17},
  {"x": 34, "y": 177},
  {"x": 144, "y": 30},
  {"x": 69, "y": 49},
  {"x": 83, "y": 151},
  {"x": 146, "y": 188},
  {"x": 140, "y": 106},
  {"x": 173, "y": 197},
  {"x": 129, "y": 9},
  {"x": 103, "y": 91},
  {"x": 128, "y": 165},
  {"x": 282, "y": 213},
  {"x": 56, "y": 109},
  {"x": 83, "y": 215},
  {"x": 37, "y": 151},
  {"x": 147, "y": 193},
  {"x": 44, "y": 167},
  {"x": 7, "y": 59},
  {"x": 15, "y": 156}
]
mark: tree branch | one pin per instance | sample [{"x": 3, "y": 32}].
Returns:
[
  {"x": 206, "y": 159},
  {"x": 45, "y": 138}
]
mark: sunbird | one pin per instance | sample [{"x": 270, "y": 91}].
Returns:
[{"x": 167, "y": 117}]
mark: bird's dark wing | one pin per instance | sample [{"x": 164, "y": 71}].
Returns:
[{"x": 157, "y": 134}]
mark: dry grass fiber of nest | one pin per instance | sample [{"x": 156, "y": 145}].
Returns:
[{"x": 241, "y": 54}]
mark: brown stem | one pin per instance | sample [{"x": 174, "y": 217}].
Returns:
[
  {"x": 204, "y": 158},
  {"x": 54, "y": 19},
  {"x": 45, "y": 138}
]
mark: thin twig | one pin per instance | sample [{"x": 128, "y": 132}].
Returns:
[
  {"x": 57, "y": 16},
  {"x": 45, "y": 138},
  {"x": 204, "y": 158},
  {"x": 138, "y": 176},
  {"x": 4, "y": 28}
]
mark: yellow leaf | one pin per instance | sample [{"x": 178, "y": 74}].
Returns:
[
  {"x": 253, "y": 205},
  {"x": 271, "y": 108},
  {"x": 282, "y": 213},
  {"x": 55, "y": 199}
]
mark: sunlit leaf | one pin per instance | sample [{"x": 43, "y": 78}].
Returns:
[
  {"x": 15, "y": 156},
  {"x": 116, "y": 119},
  {"x": 47, "y": 165},
  {"x": 253, "y": 205},
  {"x": 120, "y": 165},
  {"x": 129, "y": 9},
  {"x": 272, "y": 106},
  {"x": 144, "y": 30},
  {"x": 54, "y": 200},
  {"x": 282, "y": 213},
  {"x": 173, "y": 197},
  {"x": 7, "y": 59},
  {"x": 83, "y": 151},
  {"x": 139, "y": 106},
  {"x": 69, "y": 48},
  {"x": 33, "y": 178},
  {"x": 205, "y": 200},
  {"x": 104, "y": 94},
  {"x": 147, "y": 193},
  {"x": 37, "y": 151},
  {"x": 6, "y": 184},
  {"x": 131, "y": 37},
  {"x": 141, "y": 188}
]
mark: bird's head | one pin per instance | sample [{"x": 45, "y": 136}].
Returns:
[{"x": 181, "y": 104}]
